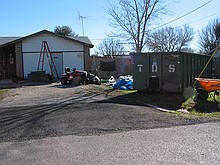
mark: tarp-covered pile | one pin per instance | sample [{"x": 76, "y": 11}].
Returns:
[{"x": 123, "y": 83}]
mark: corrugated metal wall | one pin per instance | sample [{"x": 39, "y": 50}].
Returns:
[
  {"x": 216, "y": 68},
  {"x": 168, "y": 71},
  {"x": 216, "y": 65}
]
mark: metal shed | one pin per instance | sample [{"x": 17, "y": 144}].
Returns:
[{"x": 168, "y": 71}]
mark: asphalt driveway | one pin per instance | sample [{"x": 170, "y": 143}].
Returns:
[
  {"x": 41, "y": 111},
  {"x": 54, "y": 124}
]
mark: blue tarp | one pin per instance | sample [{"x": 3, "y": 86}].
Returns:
[{"x": 124, "y": 84}]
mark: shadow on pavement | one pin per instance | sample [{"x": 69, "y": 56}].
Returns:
[
  {"x": 164, "y": 100},
  {"x": 90, "y": 114}
]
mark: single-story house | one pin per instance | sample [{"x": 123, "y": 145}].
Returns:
[{"x": 20, "y": 55}]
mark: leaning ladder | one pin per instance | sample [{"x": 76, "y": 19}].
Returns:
[{"x": 46, "y": 51}]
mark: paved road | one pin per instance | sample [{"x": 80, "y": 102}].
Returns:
[{"x": 184, "y": 145}]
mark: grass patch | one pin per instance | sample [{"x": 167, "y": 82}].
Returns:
[
  {"x": 116, "y": 92},
  {"x": 194, "y": 114},
  {"x": 2, "y": 91},
  {"x": 209, "y": 108},
  {"x": 214, "y": 97}
]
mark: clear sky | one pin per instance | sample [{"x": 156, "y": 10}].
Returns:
[{"x": 24, "y": 17}]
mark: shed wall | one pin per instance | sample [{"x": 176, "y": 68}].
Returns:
[
  {"x": 72, "y": 53},
  {"x": 55, "y": 43}
]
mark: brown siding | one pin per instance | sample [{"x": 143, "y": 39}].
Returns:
[
  {"x": 19, "y": 60},
  {"x": 86, "y": 58},
  {"x": 8, "y": 62}
]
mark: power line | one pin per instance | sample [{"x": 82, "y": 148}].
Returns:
[
  {"x": 204, "y": 17},
  {"x": 177, "y": 19},
  {"x": 183, "y": 15}
]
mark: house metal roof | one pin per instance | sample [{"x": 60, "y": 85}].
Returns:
[
  {"x": 5, "y": 40},
  {"x": 10, "y": 40}
]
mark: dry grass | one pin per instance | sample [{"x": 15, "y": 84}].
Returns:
[{"x": 3, "y": 92}]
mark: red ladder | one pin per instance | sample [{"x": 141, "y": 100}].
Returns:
[{"x": 46, "y": 51}]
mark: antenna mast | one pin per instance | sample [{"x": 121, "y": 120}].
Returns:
[{"x": 82, "y": 18}]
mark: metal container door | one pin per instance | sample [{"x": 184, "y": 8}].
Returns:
[
  {"x": 171, "y": 76},
  {"x": 140, "y": 71},
  {"x": 155, "y": 72}
]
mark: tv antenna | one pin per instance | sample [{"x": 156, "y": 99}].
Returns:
[{"x": 82, "y": 19}]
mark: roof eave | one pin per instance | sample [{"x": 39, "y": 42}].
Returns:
[{"x": 46, "y": 31}]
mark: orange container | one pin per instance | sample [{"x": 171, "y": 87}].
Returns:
[{"x": 209, "y": 85}]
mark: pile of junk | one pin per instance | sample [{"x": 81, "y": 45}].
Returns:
[
  {"x": 77, "y": 77},
  {"x": 122, "y": 83}
]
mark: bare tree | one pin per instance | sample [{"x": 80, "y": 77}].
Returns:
[
  {"x": 110, "y": 47},
  {"x": 64, "y": 30},
  {"x": 208, "y": 36},
  {"x": 217, "y": 31},
  {"x": 170, "y": 39},
  {"x": 133, "y": 19}
]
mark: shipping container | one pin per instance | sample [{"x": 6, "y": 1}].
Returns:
[{"x": 168, "y": 71}]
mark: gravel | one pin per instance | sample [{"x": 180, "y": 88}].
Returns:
[{"x": 44, "y": 94}]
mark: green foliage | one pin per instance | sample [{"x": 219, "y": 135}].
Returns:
[
  {"x": 64, "y": 30},
  {"x": 203, "y": 107}
]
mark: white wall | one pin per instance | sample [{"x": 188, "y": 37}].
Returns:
[
  {"x": 55, "y": 43},
  {"x": 30, "y": 62},
  {"x": 72, "y": 52}
]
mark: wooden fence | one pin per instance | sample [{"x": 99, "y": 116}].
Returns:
[{"x": 111, "y": 66}]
